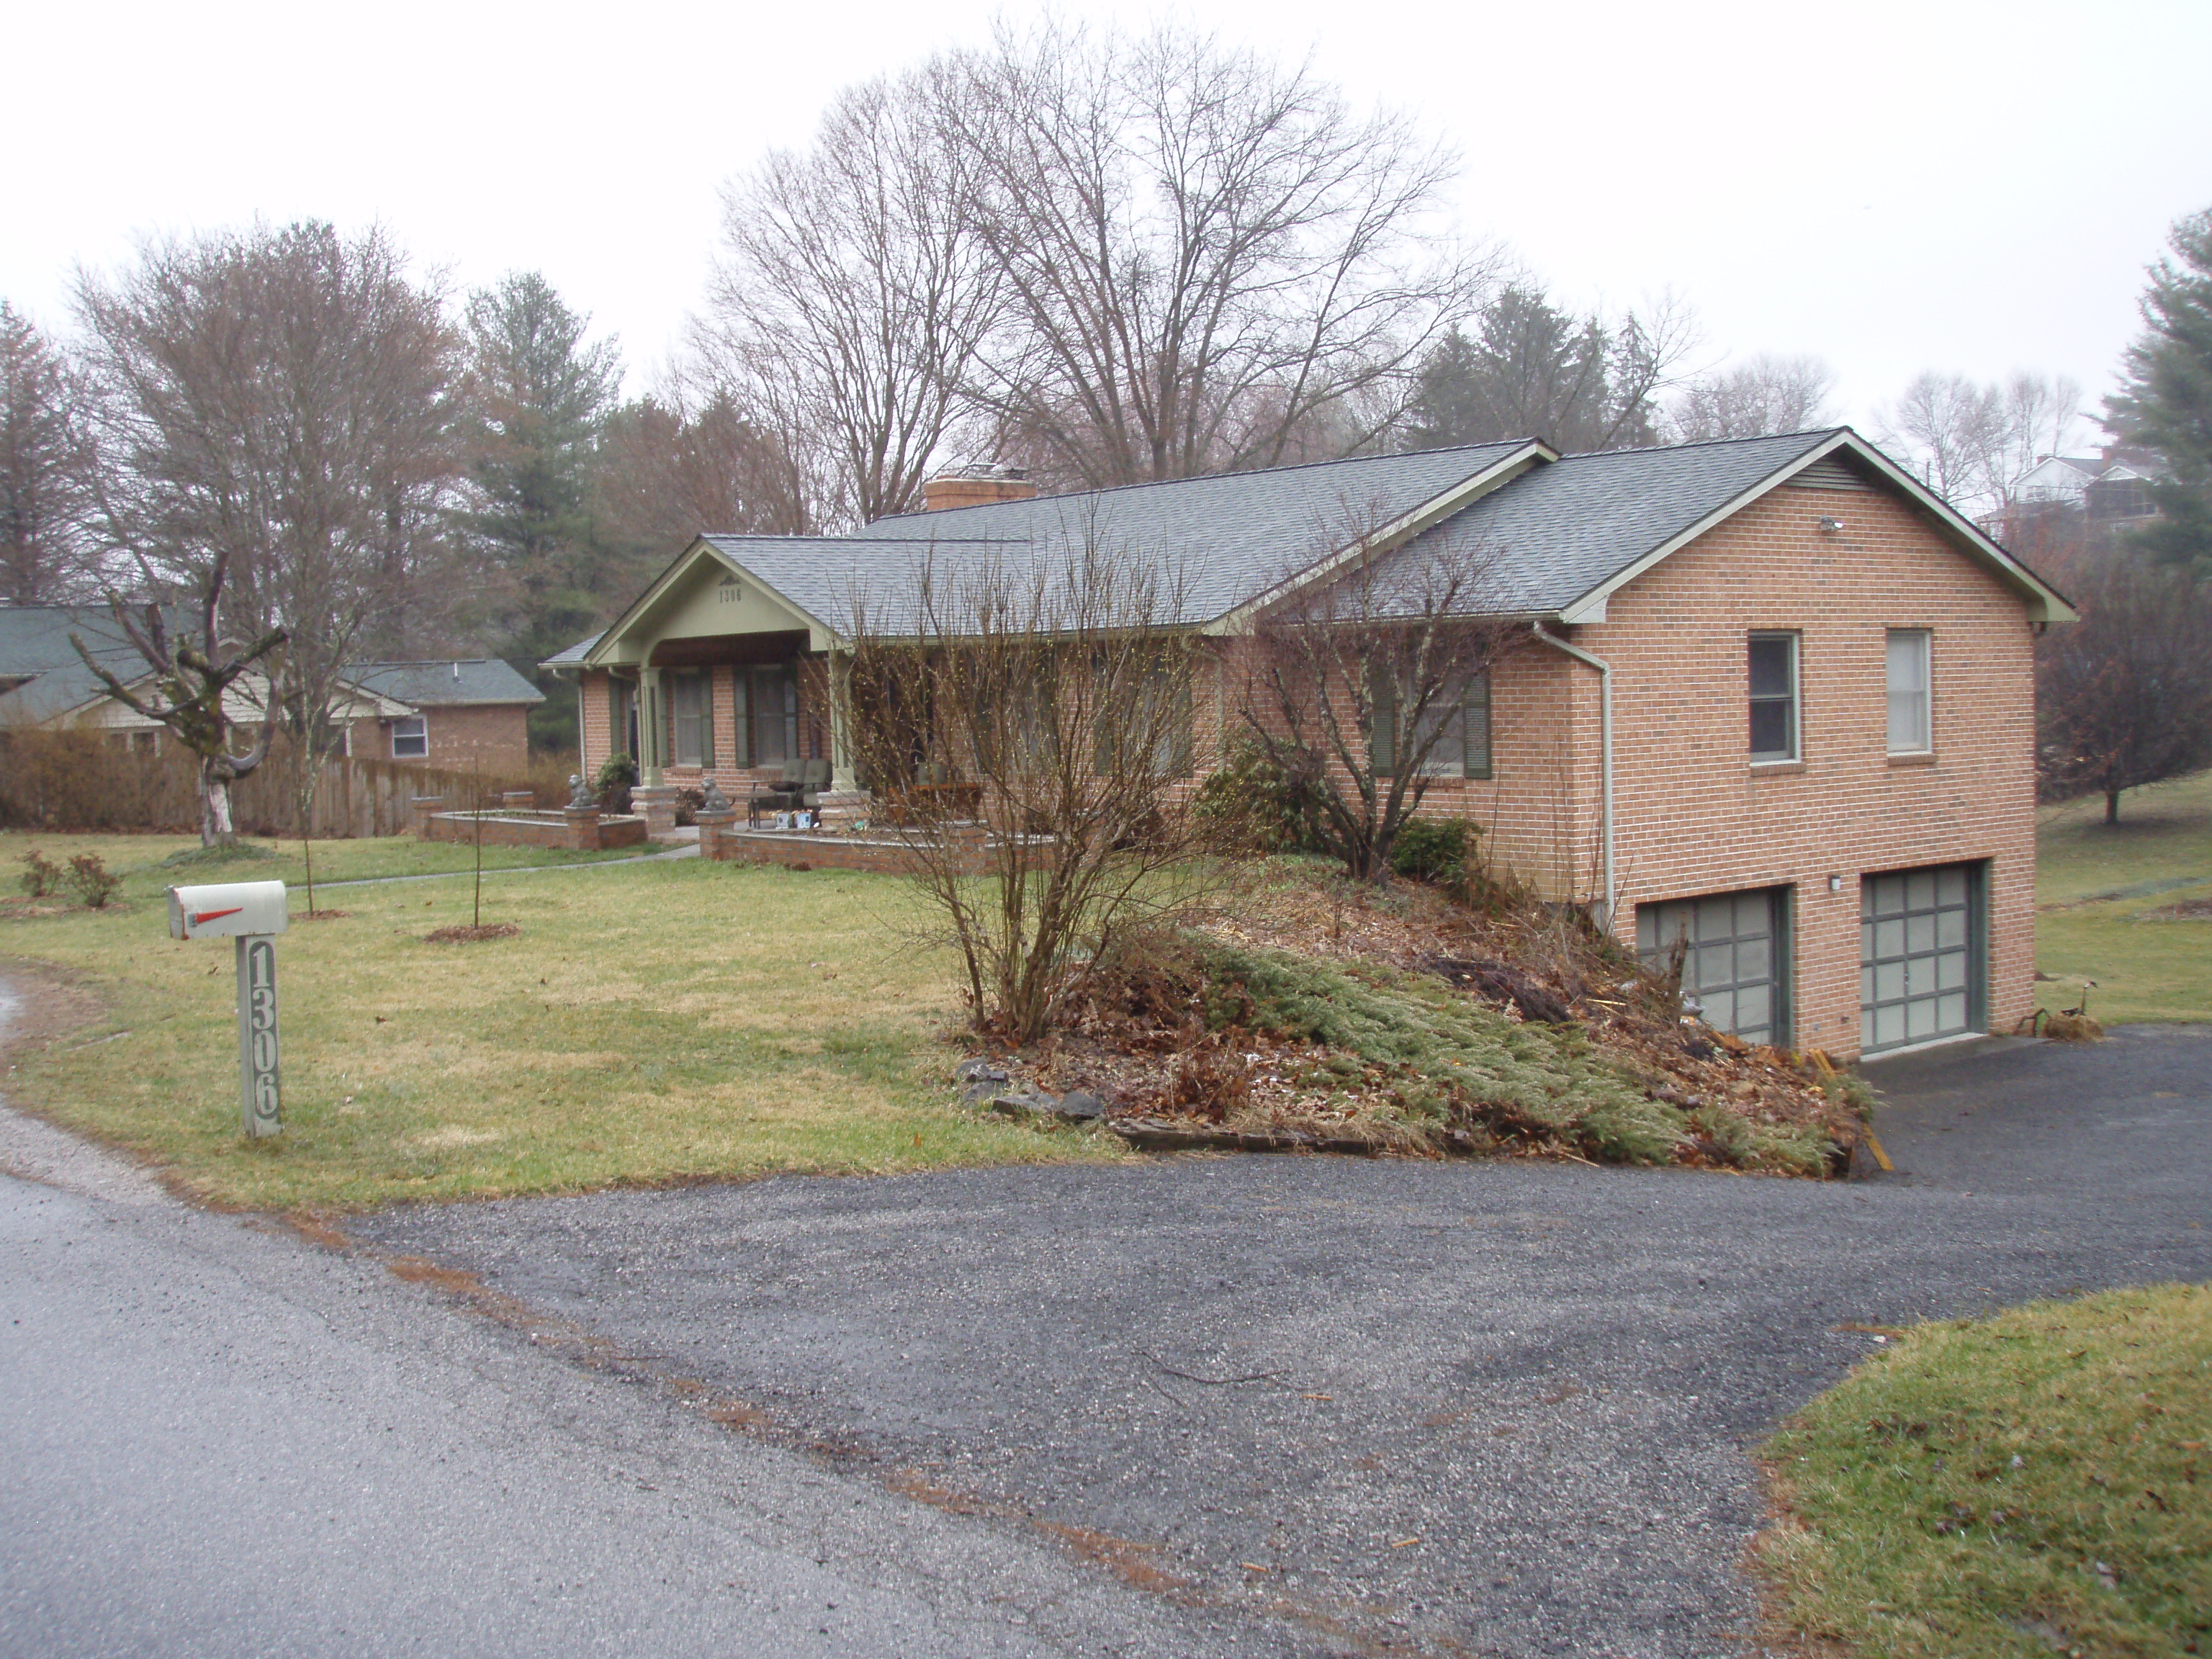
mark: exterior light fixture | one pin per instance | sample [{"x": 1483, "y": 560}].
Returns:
[
  {"x": 1835, "y": 884},
  {"x": 1829, "y": 526}
]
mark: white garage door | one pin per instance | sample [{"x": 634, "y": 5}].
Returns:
[
  {"x": 1919, "y": 955},
  {"x": 1732, "y": 961}
]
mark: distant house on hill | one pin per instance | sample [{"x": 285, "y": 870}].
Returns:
[{"x": 2107, "y": 488}]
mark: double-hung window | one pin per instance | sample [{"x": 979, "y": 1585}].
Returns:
[
  {"x": 687, "y": 701},
  {"x": 1773, "y": 673},
  {"x": 1450, "y": 738},
  {"x": 410, "y": 738},
  {"x": 1912, "y": 692}
]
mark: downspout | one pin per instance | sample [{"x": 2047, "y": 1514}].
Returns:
[{"x": 1605, "y": 744}]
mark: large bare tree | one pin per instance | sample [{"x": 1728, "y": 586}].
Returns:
[
  {"x": 1362, "y": 686},
  {"x": 852, "y": 289},
  {"x": 1972, "y": 442},
  {"x": 1204, "y": 252},
  {"x": 274, "y": 444},
  {"x": 45, "y": 554},
  {"x": 1759, "y": 397}
]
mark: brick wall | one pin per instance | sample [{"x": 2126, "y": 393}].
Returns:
[
  {"x": 1695, "y": 816},
  {"x": 494, "y": 735}
]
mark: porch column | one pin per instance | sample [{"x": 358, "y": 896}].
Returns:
[
  {"x": 844, "y": 776},
  {"x": 649, "y": 740}
]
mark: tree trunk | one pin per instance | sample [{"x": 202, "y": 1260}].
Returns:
[
  {"x": 2112, "y": 806},
  {"x": 216, "y": 829}
]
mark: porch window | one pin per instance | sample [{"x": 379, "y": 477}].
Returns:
[
  {"x": 693, "y": 710},
  {"x": 410, "y": 738},
  {"x": 1457, "y": 718},
  {"x": 1161, "y": 710},
  {"x": 775, "y": 712}
]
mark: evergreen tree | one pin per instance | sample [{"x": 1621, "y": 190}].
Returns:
[
  {"x": 2164, "y": 400},
  {"x": 1531, "y": 370},
  {"x": 539, "y": 397}
]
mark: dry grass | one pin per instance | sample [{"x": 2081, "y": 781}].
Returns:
[
  {"x": 2034, "y": 1483},
  {"x": 2129, "y": 905},
  {"x": 655, "y": 1023}
]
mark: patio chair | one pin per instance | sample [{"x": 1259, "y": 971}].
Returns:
[{"x": 813, "y": 779}]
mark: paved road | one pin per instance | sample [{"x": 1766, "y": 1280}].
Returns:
[
  {"x": 218, "y": 1439},
  {"x": 1490, "y": 1408}
]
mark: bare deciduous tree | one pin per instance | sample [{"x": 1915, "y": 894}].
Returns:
[
  {"x": 852, "y": 291},
  {"x": 1362, "y": 688},
  {"x": 1759, "y": 397},
  {"x": 45, "y": 558},
  {"x": 275, "y": 442},
  {"x": 192, "y": 680},
  {"x": 1971, "y": 443},
  {"x": 1037, "y": 717},
  {"x": 2124, "y": 696},
  {"x": 666, "y": 472},
  {"x": 1203, "y": 252}
]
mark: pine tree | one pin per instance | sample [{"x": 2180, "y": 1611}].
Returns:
[
  {"x": 538, "y": 399},
  {"x": 2164, "y": 401}
]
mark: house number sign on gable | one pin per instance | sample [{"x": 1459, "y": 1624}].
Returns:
[{"x": 250, "y": 913}]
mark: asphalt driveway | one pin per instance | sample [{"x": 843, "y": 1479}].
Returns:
[{"x": 1353, "y": 1407}]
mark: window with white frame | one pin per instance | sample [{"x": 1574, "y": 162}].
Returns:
[
  {"x": 692, "y": 710},
  {"x": 410, "y": 738},
  {"x": 1912, "y": 692},
  {"x": 1773, "y": 662}
]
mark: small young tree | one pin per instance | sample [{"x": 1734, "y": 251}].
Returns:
[
  {"x": 1366, "y": 686},
  {"x": 2125, "y": 695},
  {"x": 191, "y": 678},
  {"x": 1059, "y": 695}
]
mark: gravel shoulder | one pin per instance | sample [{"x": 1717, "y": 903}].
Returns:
[{"x": 1351, "y": 1406}]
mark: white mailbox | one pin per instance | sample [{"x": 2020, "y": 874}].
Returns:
[
  {"x": 226, "y": 911},
  {"x": 248, "y": 912}
]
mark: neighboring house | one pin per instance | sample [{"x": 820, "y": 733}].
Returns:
[
  {"x": 1777, "y": 699},
  {"x": 455, "y": 715},
  {"x": 444, "y": 713},
  {"x": 2109, "y": 487}
]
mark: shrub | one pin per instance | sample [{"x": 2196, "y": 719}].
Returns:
[
  {"x": 41, "y": 875},
  {"x": 1437, "y": 850},
  {"x": 1249, "y": 804},
  {"x": 94, "y": 882},
  {"x": 617, "y": 777}
]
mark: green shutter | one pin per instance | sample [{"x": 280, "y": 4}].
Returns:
[
  {"x": 1382, "y": 734},
  {"x": 1474, "y": 725}
]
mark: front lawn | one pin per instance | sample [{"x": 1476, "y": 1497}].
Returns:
[
  {"x": 653, "y": 1021},
  {"x": 2034, "y": 1483},
  {"x": 2128, "y": 905}
]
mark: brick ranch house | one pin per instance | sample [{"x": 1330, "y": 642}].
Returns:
[
  {"x": 444, "y": 713},
  {"x": 1776, "y": 698}
]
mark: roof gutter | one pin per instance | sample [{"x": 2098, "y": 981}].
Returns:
[{"x": 1605, "y": 744}]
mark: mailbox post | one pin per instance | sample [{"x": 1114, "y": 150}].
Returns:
[{"x": 252, "y": 913}]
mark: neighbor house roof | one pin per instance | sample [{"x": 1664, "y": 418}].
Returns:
[
  {"x": 1554, "y": 534},
  {"x": 40, "y": 673},
  {"x": 447, "y": 683}
]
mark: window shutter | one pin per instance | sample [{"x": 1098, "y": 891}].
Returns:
[
  {"x": 1383, "y": 734},
  {"x": 1474, "y": 725}
]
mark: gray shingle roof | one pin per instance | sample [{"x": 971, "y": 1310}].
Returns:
[
  {"x": 34, "y": 647},
  {"x": 445, "y": 683},
  {"x": 1559, "y": 531}
]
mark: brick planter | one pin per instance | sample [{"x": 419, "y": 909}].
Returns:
[{"x": 586, "y": 831}]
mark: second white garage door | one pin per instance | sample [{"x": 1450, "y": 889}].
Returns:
[{"x": 1919, "y": 955}]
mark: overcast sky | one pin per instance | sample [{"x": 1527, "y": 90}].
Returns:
[{"x": 1893, "y": 187}]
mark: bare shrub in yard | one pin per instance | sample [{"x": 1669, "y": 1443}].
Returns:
[
  {"x": 95, "y": 884},
  {"x": 1371, "y": 680},
  {"x": 41, "y": 875},
  {"x": 1037, "y": 716}
]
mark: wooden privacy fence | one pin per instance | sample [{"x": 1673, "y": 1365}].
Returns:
[{"x": 79, "y": 780}]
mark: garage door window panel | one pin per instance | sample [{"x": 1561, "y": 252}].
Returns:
[
  {"x": 1920, "y": 975},
  {"x": 1733, "y": 957}
]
